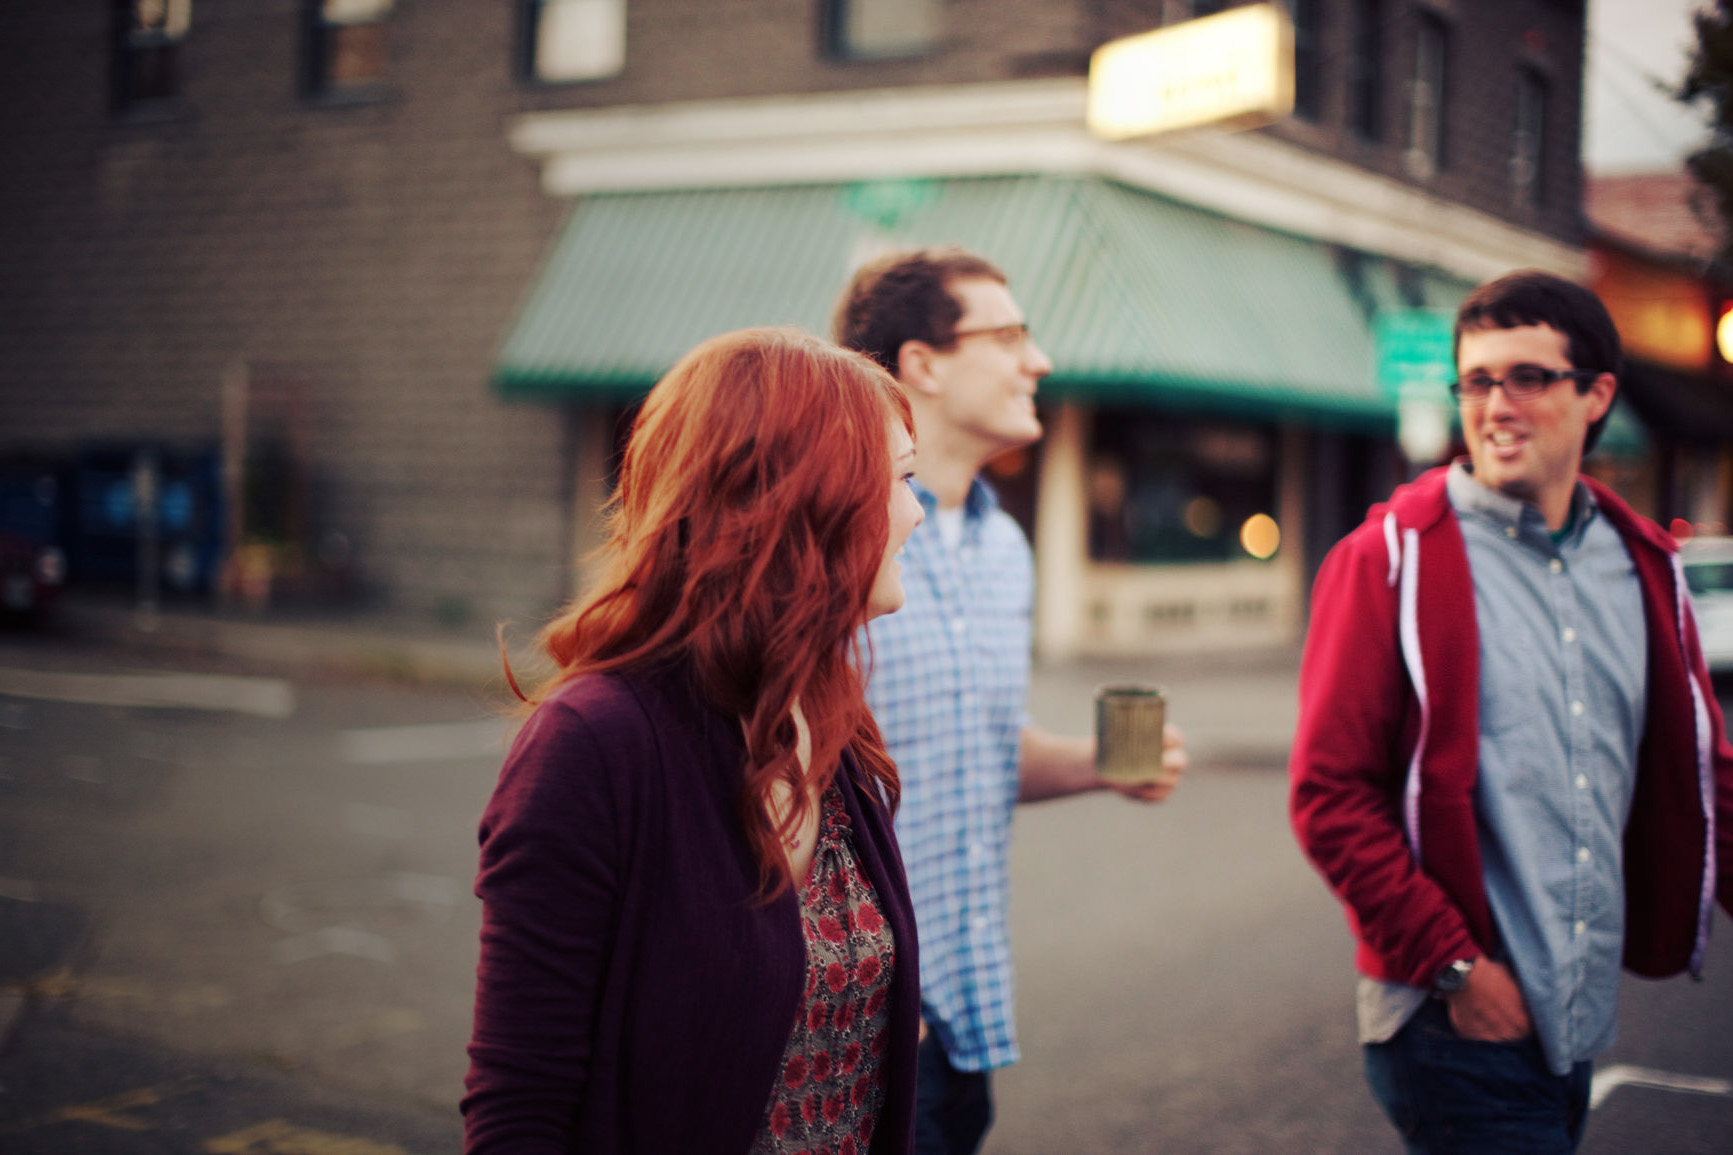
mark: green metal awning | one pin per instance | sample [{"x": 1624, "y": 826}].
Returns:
[{"x": 1134, "y": 296}]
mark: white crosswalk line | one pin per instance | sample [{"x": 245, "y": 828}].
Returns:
[{"x": 1618, "y": 1075}]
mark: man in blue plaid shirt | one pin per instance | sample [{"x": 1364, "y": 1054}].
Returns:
[{"x": 951, "y": 670}]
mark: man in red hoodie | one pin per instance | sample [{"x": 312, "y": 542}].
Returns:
[{"x": 1509, "y": 764}]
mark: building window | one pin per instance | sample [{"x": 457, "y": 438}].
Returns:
[
  {"x": 1308, "y": 58},
  {"x": 1167, "y": 488},
  {"x": 346, "y": 47},
  {"x": 1528, "y": 141},
  {"x": 1366, "y": 70},
  {"x": 147, "y": 47},
  {"x": 1427, "y": 95},
  {"x": 565, "y": 41},
  {"x": 877, "y": 29}
]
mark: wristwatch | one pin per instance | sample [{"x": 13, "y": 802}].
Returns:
[{"x": 1453, "y": 978}]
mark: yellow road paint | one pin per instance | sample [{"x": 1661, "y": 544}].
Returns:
[
  {"x": 277, "y": 1137},
  {"x": 61, "y": 985},
  {"x": 107, "y": 1112},
  {"x": 52, "y": 985}
]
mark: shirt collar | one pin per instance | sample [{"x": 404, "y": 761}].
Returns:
[
  {"x": 1468, "y": 496},
  {"x": 977, "y": 503}
]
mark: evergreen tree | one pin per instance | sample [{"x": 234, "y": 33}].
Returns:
[{"x": 1711, "y": 80}]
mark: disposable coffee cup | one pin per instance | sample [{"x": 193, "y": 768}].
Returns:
[{"x": 1129, "y": 723}]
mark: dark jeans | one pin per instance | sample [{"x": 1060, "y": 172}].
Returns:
[
  {"x": 953, "y": 1108},
  {"x": 1449, "y": 1095}
]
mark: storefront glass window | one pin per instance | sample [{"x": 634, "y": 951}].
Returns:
[{"x": 1165, "y": 488}]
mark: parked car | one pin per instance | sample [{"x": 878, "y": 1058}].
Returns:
[
  {"x": 31, "y": 574},
  {"x": 1709, "y": 576},
  {"x": 32, "y": 562}
]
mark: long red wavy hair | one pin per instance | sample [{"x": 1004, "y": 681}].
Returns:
[{"x": 749, "y": 522}]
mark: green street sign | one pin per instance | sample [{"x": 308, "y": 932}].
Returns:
[
  {"x": 1414, "y": 350},
  {"x": 888, "y": 203}
]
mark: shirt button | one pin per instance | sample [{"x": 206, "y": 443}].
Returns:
[
  {"x": 1556, "y": 565},
  {"x": 1570, "y": 635},
  {"x": 980, "y": 922},
  {"x": 1582, "y": 854},
  {"x": 1582, "y": 781},
  {"x": 958, "y": 625},
  {"x": 1579, "y": 927},
  {"x": 976, "y": 850},
  {"x": 1576, "y": 709}
]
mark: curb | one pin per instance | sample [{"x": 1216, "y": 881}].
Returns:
[{"x": 337, "y": 647}]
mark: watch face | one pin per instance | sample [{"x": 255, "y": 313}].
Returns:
[{"x": 1453, "y": 977}]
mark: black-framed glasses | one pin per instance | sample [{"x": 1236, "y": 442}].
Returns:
[
  {"x": 1521, "y": 383},
  {"x": 1013, "y": 337}
]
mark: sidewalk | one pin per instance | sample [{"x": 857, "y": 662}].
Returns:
[
  {"x": 1236, "y": 708},
  {"x": 341, "y": 642}
]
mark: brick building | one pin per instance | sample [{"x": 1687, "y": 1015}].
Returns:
[{"x": 374, "y": 223}]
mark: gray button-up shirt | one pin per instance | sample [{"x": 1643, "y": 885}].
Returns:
[{"x": 1563, "y": 676}]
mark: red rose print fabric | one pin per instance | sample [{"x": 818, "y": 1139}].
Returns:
[{"x": 831, "y": 1087}]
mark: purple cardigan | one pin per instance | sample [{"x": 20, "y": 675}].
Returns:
[{"x": 632, "y": 995}]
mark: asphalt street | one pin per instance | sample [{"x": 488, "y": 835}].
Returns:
[{"x": 235, "y": 917}]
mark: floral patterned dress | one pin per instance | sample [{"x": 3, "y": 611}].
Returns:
[{"x": 831, "y": 1087}]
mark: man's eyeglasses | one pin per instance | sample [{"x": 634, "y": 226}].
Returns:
[
  {"x": 1521, "y": 383},
  {"x": 1013, "y": 337}
]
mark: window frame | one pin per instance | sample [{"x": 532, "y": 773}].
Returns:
[
  {"x": 1365, "y": 113},
  {"x": 317, "y": 34},
  {"x": 1307, "y": 17},
  {"x": 129, "y": 44},
  {"x": 528, "y": 46},
  {"x": 835, "y": 44},
  {"x": 1528, "y": 142},
  {"x": 1427, "y": 152}
]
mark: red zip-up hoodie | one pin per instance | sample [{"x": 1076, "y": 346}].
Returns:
[{"x": 1386, "y": 753}]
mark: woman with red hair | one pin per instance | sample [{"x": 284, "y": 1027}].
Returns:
[{"x": 696, "y": 934}]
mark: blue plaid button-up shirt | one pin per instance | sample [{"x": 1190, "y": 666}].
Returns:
[{"x": 950, "y": 674}]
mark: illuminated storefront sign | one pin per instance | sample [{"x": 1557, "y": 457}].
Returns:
[
  {"x": 1234, "y": 68},
  {"x": 1663, "y": 316}
]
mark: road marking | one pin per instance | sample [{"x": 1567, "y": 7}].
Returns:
[
  {"x": 61, "y": 985},
  {"x": 262, "y": 697},
  {"x": 277, "y": 1137},
  {"x": 106, "y": 1112},
  {"x": 440, "y": 741},
  {"x": 1623, "y": 1075}
]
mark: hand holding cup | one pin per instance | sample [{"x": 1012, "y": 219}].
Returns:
[{"x": 1136, "y": 752}]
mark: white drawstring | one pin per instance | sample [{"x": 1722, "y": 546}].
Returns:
[
  {"x": 1705, "y": 780},
  {"x": 1409, "y": 632}
]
